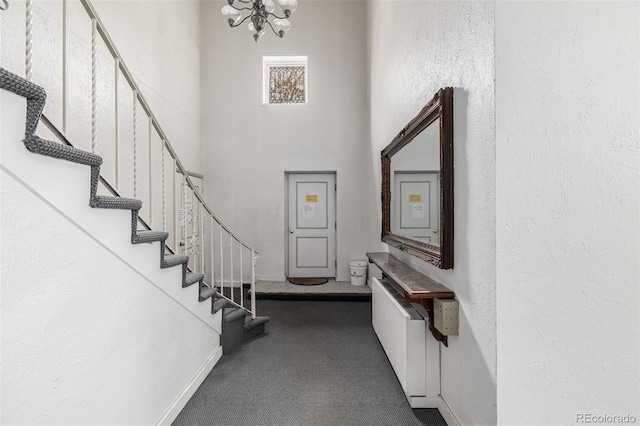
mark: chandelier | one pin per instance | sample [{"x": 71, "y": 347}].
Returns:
[{"x": 261, "y": 15}]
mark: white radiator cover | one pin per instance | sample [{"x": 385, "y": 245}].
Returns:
[{"x": 413, "y": 354}]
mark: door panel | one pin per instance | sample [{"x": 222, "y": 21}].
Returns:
[
  {"x": 311, "y": 210},
  {"x": 415, "y": 202},
  {"x": 312, "y": 227},
  {"x": 312, "y": 252}
]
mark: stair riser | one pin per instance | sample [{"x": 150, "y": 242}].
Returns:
[
  {"x": 255, "y": 331},
  {"x": 233, "y": 320},
  {"x": 206, "y": 292}
]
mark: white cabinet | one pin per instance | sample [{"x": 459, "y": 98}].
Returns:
[{"x": 402, "y": 331}]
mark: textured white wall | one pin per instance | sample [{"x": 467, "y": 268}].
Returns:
[
  {"x": 247, "y": 148},
  {"x": 160, "y": 43},
  {"x": 415, "y": 48},
  {"x": 568, "y": 190}
]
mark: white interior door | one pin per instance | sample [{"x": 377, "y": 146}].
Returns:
[
  {"x": 312, "y": 225},
  {"x": 416, "y": 206}
]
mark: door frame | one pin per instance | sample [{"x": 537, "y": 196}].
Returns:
[{"x": 287, "y": 175}]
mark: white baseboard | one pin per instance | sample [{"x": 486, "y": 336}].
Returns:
[
  {"x": 172, "y": 412},
  {"x": 446, "y": 413},
  {"x": 421, "y": 401}
]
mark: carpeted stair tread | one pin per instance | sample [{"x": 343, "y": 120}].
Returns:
[
  {"x": 64, "y": 152},
  {"x": 255, "y": 331},
  {"x": 206, "y": 292},
  {"x": 192, "y": 278},
  {"x": 255, "y": 322},
  {"x": 148, "y": 237},
  {"x": 102, "y": 202},
  {"x": 235, "y": 314},
  {"x": 218, "y": 304},
  {"x": 170, "y": 260}
]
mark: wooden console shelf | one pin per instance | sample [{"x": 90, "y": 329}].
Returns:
[{"x": 415, "y": 286}]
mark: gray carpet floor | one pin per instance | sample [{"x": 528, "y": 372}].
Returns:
[{"x": 320, "y": 363}]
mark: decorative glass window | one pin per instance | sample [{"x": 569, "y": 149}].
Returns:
[{"x": 285, "y": 80}]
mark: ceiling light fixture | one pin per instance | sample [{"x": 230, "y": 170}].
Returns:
[{"x": 260, "y": 13}]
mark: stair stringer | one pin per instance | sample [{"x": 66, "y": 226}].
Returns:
[{"x": 67, "y": 186}]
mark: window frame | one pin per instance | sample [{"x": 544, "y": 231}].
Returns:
[{"x": 269, "y": 61}]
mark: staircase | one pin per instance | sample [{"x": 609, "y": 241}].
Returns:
[{"x": 237, "y": 325}]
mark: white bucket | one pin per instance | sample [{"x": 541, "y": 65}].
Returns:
[{"x": 358, "y": 272}]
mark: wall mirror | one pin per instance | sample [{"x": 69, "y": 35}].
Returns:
[{"x": 417, "y": 184}]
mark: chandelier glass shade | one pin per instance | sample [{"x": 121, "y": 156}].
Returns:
[{"x": 262, "y": 14}]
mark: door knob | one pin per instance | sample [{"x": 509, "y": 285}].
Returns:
[
  {"x": 435, "y": 231},
  {"x": 291, "y": 231}
]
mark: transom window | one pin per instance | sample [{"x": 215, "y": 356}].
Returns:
[{"x": 285, "y": 80}]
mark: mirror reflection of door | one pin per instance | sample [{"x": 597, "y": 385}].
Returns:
[
  {"x": 312, "y": 225},
  {"x": 416, "y": 206}
]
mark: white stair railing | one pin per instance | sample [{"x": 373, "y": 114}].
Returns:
[{"x": 185, "y": 209}]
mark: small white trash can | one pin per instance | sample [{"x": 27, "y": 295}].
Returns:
[{"x": 358, "y": 272}]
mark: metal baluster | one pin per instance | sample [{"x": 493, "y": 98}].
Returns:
[
  {"x": 201, "y": 222},
  {"x": 117, "y": 140},
  {"x": 135, "y": 144},
  {"x": 183, "y": 234},
  {"x": 233, "y": 297},
  {"x": 196, "y": 249},
  {"x": 65, "y": 81},
  {"x": 213, "y": 278},
  {"x": 241, "y": 285},
  {"x": 253, "y": 284},
  {"x": 194, "y": 218},
  {"x": 164, "y": 197},
  {"x": 221, "y": 263},
  {"x": 28, "y": 62},
  {"x": 175, "y": 206},
  {"x": 94, "y": 87},
  {"x": 150, "y": 174}
]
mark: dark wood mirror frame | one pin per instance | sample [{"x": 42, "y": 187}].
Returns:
[{"x": 439, "y": 108}]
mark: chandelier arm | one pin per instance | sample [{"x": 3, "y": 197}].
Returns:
[
  {"x": 242, "y": 8},
  {"x": 244, "y": 1},
  {"x": 241, "y": 22},
  {"x": 272, "y": 29},
  {"x": 278, "y": 17}
]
